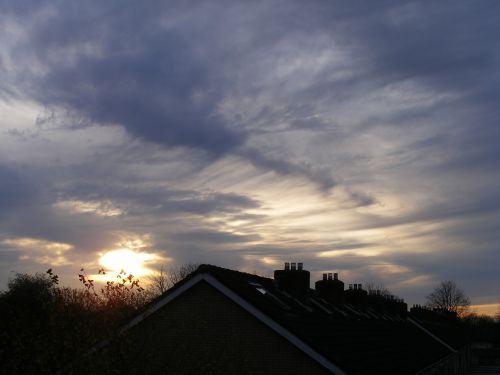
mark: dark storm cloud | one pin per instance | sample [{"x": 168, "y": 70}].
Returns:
[
  {"x": 322, "y": 177},
  {"x": 440, "y": 212},
  {"x": 449, "y": 45},
  {"x": 147, "y": 81},
  {"x": 162, "y": 71},
  {"x": 137, "y": 73},
  {"x": 231, "y": 203},
  {"x": 141, "y": 200},
  {"x": 142, "y": 213},
  {"x": 452, "y": 48},
  {"x": 15, "y": 192},
  {"x": 283, "y": 86},
  {"x": 113, "y": 64}
]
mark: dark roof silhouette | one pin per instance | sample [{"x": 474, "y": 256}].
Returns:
[
  {"x": 351, "y": 339},
  {"x": 365, "y": 335}
]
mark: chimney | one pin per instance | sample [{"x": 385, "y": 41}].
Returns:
[
  {"x": 292, "y": 280},
  {"x": 335, "y": 276},
  {"x": 356, "y": 295},
  {"x": 287, "y": 266},
  {"x": 299, "y": 266},
  {"x": 330, "y": 289}
]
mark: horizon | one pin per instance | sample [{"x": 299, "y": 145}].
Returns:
[
  {"x": 104, "y": 275},
  {"x": 356, "y": 138}
]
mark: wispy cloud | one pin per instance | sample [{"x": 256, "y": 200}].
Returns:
[{"x": 351, "y": 136}]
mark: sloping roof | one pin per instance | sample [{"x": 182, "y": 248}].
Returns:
[
  {"x": 452, "y": 331},
  {"x": 342, "y": 338}
]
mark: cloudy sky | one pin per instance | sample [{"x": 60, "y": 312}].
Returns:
[{"x": 357, "y": 137}]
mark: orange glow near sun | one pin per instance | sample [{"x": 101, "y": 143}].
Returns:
[{"x": 132, "y": 262}]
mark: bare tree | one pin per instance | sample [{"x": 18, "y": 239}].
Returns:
[
  {"x": 177, "y": 274},
  {"x": 378, "y": 289},
  {"x": 164, "y": 279},
  {"x": 158, "y": 281},
  {"x": 449, "y": 296}
]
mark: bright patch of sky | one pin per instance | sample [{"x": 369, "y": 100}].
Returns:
[{"x": 357, "y": 138}]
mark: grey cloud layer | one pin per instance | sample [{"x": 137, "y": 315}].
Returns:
[
  {"x": 366, "y": 101},
  {"x": 163, "y": 71}
]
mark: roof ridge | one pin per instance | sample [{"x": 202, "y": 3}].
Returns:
[{"x": 210, "y": 267}]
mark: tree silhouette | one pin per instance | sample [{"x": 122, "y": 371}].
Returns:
[
  {"x": 45, "y": 326},
  {"x": 163, "y": 279},
  {"x": 450, "y": 297},
  {"x": 378, "y": 289}
]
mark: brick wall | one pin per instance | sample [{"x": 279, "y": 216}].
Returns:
[{"x": 201, "y": 332}]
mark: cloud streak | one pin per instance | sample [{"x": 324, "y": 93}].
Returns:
[{"x": 245, "y": 134}]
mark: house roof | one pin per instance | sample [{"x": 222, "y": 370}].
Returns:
[
  {"x": 449, "y": 329},
  {"x": 344, "y": 338}
]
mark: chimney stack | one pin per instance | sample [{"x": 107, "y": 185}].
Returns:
[
  {"x": 356, "y": 295},
  {"x": 292, "y": 280},
  {"x": 330, "y": 288}
]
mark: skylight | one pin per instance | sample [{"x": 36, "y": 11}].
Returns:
[{"x": 265, "y": 292}]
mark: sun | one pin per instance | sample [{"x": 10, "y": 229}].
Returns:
[{"x": 132, "y": 262}]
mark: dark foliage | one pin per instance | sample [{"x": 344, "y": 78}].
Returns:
[
  {"x": 483, "y": 328},
  {"x": 43, "y": 326}
]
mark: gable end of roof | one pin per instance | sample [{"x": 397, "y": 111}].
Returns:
[{"x": 290, "y": 337}]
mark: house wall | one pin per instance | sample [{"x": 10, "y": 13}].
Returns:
[{"x": 201, "y": 332}]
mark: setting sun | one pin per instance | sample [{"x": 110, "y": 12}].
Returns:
[{"x": 128, "y": 260}]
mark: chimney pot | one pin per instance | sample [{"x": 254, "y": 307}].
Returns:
[
  {"x": 292, "y": 281},
  {"x": 335, "y": 276},
  {"x": 350, "y": 286},
  {"x": 329, "y": 276},
  {"x": 324, "y": 276},
  {"x": 300, "y": 265},
  {"x": 359, "y": 286}
]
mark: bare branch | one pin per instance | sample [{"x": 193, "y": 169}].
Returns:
[
  {"x": 450, "y": 297},
  {"x": 164, "y": 278}
]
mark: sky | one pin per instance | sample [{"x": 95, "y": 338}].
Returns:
[{"x": 356, "y": 137}]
